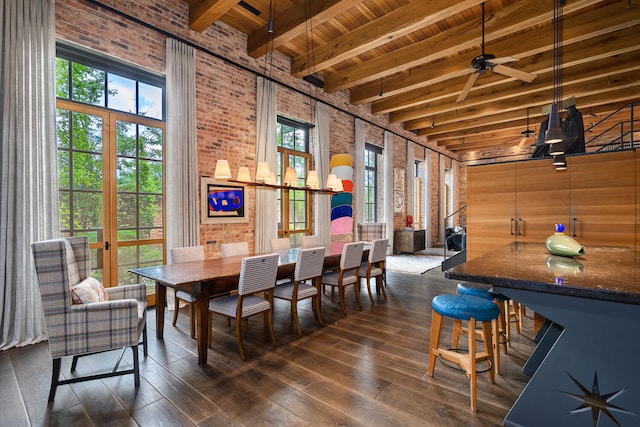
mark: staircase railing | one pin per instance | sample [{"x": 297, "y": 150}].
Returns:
[
  {"x": 447, "y": 221},
  {"x": 625, "y": 134}
]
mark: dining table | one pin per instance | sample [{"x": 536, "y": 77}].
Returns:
[
  {"x": 218, "y": 276},
  {"x": 590, "y": 373}
]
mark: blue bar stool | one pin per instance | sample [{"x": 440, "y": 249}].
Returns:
[{"x": 470, "y": 308}]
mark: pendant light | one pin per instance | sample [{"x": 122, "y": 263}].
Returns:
[{"x": 554, "y": 132}]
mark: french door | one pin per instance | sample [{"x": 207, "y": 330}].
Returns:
[{"x": 111, "y": 183}]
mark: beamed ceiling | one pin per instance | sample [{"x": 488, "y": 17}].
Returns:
[{"x": 412, "y": 59}]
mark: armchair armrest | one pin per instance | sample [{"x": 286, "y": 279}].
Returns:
[{"x": 138, "y": 292}]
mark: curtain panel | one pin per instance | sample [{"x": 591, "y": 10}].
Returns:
[
  {"x": 358, "y": 172},
  {"x": 388, "y": 187},
  {"x": 182, "y": 201},
  {"x": 320, "y": 152},
  {"x": 266, "y": 115},
  {"x": 28, "y": 162}
]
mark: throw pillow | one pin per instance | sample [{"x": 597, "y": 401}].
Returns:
[{"x": 89, "y": 290}]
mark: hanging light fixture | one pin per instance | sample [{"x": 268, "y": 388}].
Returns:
[
  {"x": 554, "y": 133},
  {"x": 222, "y": 170}
]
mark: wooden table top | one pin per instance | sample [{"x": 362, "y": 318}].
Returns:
[{"x": 185, "y": 273}]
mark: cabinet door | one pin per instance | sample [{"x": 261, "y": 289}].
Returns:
[
  {"x": 542, "y": 200},
  {"x": 491, "y": 218},
  {"x": 603, "y": 199}
]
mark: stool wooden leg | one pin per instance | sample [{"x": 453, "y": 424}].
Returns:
[
  {"x": 502, "y": 327},
  {"x": 487, "y": 334},
  {"x": 455, "y": 336},
  {"x": 495, "y": 332},
  {"x": 436, "y": 322},
  {"x": 471, "y": 369}
]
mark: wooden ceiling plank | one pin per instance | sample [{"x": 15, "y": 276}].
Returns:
[
  {"x": 404, "y": 20},
  {"x": 513, "y": 18},
  {"x": 292, "y": 23},
  {"x": 577, "y": 29},
  {"x": 205, "y": 12},
  {"x": 540, "y": 98},
  {"x": 502, "y": 120},
  {"x": 575, "y": 72},
  {"x": 587, "y": 51}
]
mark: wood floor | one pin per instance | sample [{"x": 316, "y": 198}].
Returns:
[{"x": 366, "y": 369}]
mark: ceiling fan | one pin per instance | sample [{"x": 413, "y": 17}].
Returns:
[
  {"x": 486, "y": 61},
  {"x": 526, "y": 134}
]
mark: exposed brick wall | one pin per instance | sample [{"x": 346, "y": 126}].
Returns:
[{"x": 226, "y": 93}]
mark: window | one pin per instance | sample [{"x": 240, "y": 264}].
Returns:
[
  {"x": 371, "y": 154},
  {"x": 110, "y": 136},
  {"x": 294, "y": 205}
]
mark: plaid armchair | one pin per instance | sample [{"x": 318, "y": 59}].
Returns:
[
  {"x": 371, "y": 230},
  {"x": 82, "y": 329}
]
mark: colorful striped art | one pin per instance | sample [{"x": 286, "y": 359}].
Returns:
[{"x": 341, "y": 203}]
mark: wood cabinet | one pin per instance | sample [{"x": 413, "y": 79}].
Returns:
[
  {"x": 409, "y": 240},
  {"x": 521, "y": 201}
]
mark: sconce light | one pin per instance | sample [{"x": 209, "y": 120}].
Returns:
[
  {"x": 291, "y": 177},
  {"x": 222, "y": 170},
  {"x": 263, "y": 173},
  {"x": 272, "y": 179},
  {"x": 312, "y": 180},
  {"x": 243, "y": 174}
]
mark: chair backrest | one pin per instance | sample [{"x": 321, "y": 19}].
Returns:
[
  {"x": 310, "y": 241},
  {"x": 371, "y": 230},
  {"x": 280, "y": 244},
  {"x": 60, "y": 264},
  {"x": 378, "y": 251},
  {"x": 186, "y": 254},
  {"x": 258, "y": 273},
  {"x": 351, "y": 255},
  {"x": 233, "y": 249},
  {"x": 310, "y": 263}
]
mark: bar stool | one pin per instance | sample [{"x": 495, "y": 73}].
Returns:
[
  {"x": 504, "y": 330},
  {"x": 470, "y": 308}
]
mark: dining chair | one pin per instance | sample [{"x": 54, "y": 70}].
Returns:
[
  {"x": 234, "y": 249},
  {"x": 257, "y": 276},
  {"x": 347, "y": 274},
  {"x": 186, "y": 254},
  {"x": 374, "y": 266},
  {"x": 280, "y": 244},
  {"x": 82, "y": 316},
  {"x": 305, "y": 283},
  {"x": 310, "y": 241}
]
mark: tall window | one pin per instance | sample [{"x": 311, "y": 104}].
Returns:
[
  {"x": 110, "y": 135},
  {"x": 371, "y": 153},
  {"x": 293, "y": 151}
]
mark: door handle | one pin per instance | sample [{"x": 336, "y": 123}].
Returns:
[
  {"x": 106, "y": 246},
  {"x": 511, "y": 227},
  {"x": 575, "y": 229},
  {"x": 519, "y": 226}
]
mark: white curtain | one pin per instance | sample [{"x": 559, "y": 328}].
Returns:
[
  {"x": 410, "y": 174},
  {"x": 182, "y": 201},
  {"x": 266, "y": 209},
  {"x": 358, "y": 173},
  {"x": 320, "y": 151},
  {"x": 28, "y": 162},
  {"x": 388, "y": 187}
]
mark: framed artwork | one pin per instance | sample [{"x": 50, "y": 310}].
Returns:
[
  {"x": 222, "y": 202},
  {"x": 398, "y": 190}
]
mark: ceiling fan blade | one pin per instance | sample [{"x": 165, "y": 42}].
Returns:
[
  {"x": 503, "y": 60},
  {"x": 512, "y": 72},
  {"x": 473, "y": 78}
]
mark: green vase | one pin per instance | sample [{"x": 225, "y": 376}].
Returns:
[{"x": 561, "y": 244}]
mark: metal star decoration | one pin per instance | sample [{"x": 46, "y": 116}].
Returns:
[{"x": 598, "y": 403}]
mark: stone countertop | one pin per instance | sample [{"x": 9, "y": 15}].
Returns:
[{"x": 608, "y": 273}]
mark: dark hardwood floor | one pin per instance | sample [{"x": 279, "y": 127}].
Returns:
[{"x": 366, "y": 369}]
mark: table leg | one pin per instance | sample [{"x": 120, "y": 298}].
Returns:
[
  {"x": 161, "y": 301},
  {"x": 591, "y": 375},
  {"x": 202, "y": 324}
]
